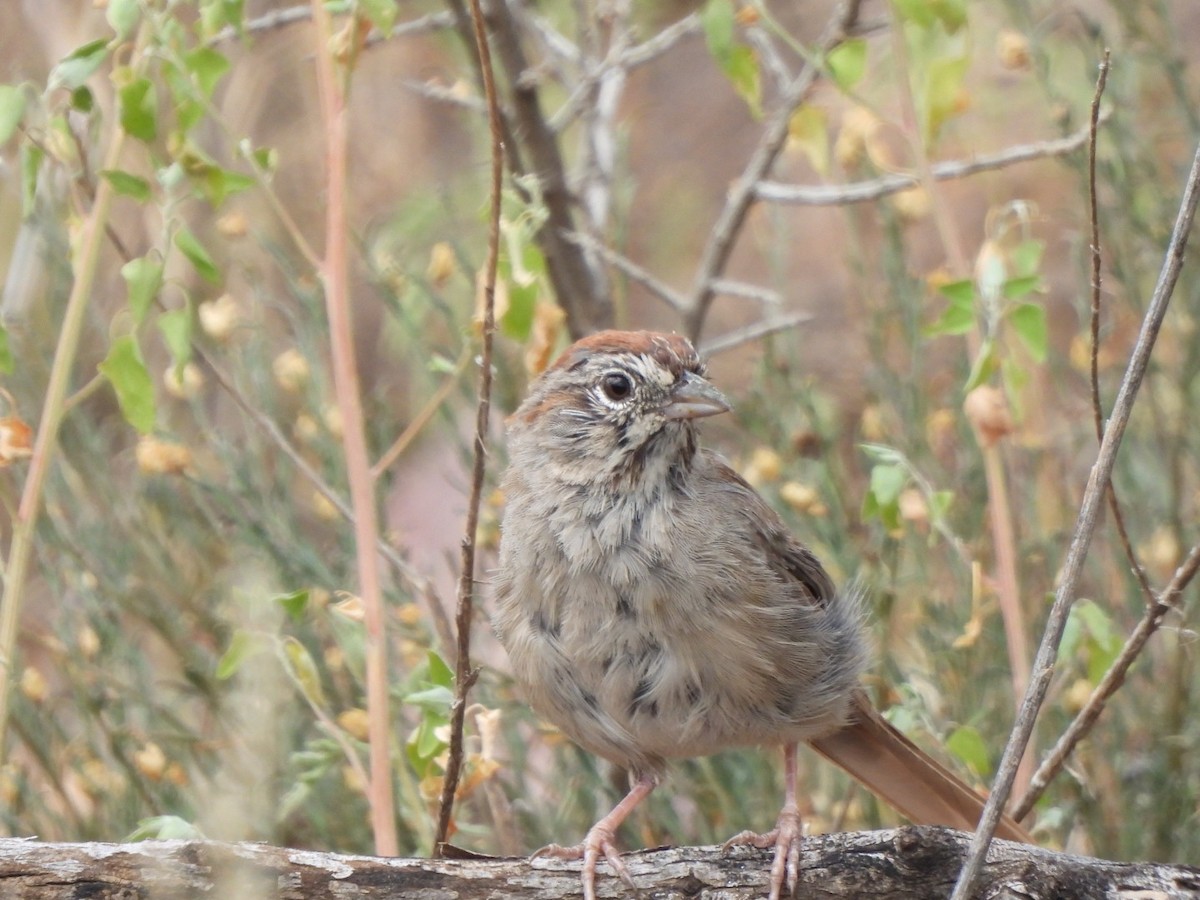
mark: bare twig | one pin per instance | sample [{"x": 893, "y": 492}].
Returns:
[
  {"x": 464, "y": 674},
  {"x": 441, "y": 94},
  {"x": 731, "y": 288},
  {"x": 421, "y": 419},
  {"x": 1085, "y": 527},
  {"x": 629, "y": 268},
  {"x": 625, "y": 60},
  {"x": 741, "y": 196},
  {"x": 1151, "y": 619},
  {"x": 651, "y": 48},
  {"x": 754, "y": 332},
  {"x": 864, "y": 191},
  {"x": 1097, "y": 407},
  {"x": 290, "y": 15},
  {"x": 335, "y": 272}
]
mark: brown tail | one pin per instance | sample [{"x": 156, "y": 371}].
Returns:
[{"x": 893, "y": 768}]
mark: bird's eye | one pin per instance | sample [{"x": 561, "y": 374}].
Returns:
[{"x": 616, "y": 386}]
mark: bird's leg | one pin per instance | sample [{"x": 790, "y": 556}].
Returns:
[
  {"x": 785, "y": 837},
  {"x": 600, "y": 837}
]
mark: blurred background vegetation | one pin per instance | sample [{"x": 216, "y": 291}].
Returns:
[{"x": 190, "y": 651}]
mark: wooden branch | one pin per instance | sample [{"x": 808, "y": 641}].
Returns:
[{"x": 897, "y": 863}]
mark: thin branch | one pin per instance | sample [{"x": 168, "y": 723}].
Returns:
[
  {"x": 464, "y": 674},
  {"x": 652, "y": 48},
  {"x": 630, "y": 269},
  {"x": 1085, "y": 527},
  {"x": 753, "y": 332},
  {"x": 333, "y": 85},
  {"x": 731, "y": 288},
  {"x": 625, "y": 60},
  {"x": 421, "y": 419},
  {"x": 280, "y": 18},
  {"x": 1086, "y": 718},
  {"x": 742, "y": 195},
  {"x": 865, "y": 191},
  {"x": 1097, "y": 407},
  {"x": 448, "y": 96}
]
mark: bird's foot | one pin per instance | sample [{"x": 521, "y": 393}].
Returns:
[
  {"x": 786, "y": 838},
  {"x": 597, "y": 841}
]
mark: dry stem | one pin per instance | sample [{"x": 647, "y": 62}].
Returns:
[{"x": 464, "y": 674}]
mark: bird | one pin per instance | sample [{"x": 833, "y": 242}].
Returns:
[{"x": 653, "y": 606}]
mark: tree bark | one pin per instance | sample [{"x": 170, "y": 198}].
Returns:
[{"x": 900, "y": 863}]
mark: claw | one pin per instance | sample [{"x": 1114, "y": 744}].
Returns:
[
  {"x": 600, "y": 840},
  {"x": 785, "y": 837}
]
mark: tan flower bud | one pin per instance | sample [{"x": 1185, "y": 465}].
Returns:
[{"x": 986, "y": 409}]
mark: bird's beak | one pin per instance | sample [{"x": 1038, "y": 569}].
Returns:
[{"x": 694, "y": 398}]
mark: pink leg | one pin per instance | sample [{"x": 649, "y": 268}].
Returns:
[
  {"x": 600, "y": 838},
  {"x": 785, "y": 837}
]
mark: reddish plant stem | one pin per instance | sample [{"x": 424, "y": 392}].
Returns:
[{"x": 335, "y": 273}]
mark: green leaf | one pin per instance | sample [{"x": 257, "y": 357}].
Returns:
[
  {"x": 741, "y": 69},
  {"x": 6, "y": 360},
  {"x": 939, "y": 504},
  {"x": 78, "y": 66},
  {"x": 242, "y": 645},
  {"x": 138, "y": 102},
  {"x": 1026, "y": 257},
  {"x": 887, "y": 482},
  {"x": 983, "y": 367},
  {"x": 434, "y": 699},
  {"x": 955, "y": 319},
  {"x": 299, "y": 664},
  {"x": 848, "y": 63},
  {"x": 1016, "y": 288},
  {"x": 381, "y": 13},
  {"x": 882, "y": 453},
  {"x": 190, "y": 247},
  {"x": 294, "y": 604},
  {"x": 143, "y": 279},
  {"x": 127, "y": 184},
  {"x": 122, "y": 15},
  {"x": 176, "y": 329},
  {"x": 126, "y": 372},
  {"x": 918, "y": 12},
  {"x": 960, "y": 293},
  {"x": 808, "y": 129},
  {"x": 221, "y": 183},
  {"x": 966, "y": 743},
  {"x": 1101, "y": 640},
  {"x": 12, "y": 110},
  {"x": 31, "y": 167},
  {"x": 165, "y": 828},
  {"x": 944, "y": 80},
  {"x": 439, "y": 673},
  {"x": 207, "y": 67},
  {"x": 717, "y": 20},
  {"x": 216, "y": 14},
  {"x": 1028, "y": 320},
  {"x": 82, "y": 99}
]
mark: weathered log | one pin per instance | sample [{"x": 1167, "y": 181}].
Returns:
[{"x": 897, "y": 863}]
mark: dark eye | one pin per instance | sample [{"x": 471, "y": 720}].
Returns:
[{"x": 616, "y": 386}]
